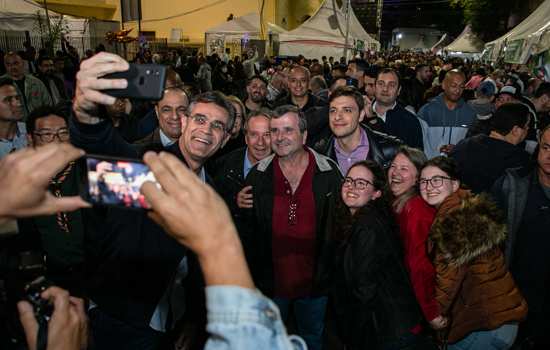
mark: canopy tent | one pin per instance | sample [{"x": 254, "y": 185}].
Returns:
[
  {"x": 18, "y": 16},
  {"x": 466, "y": 43},
  {"x": 233, "y": 32},
  {"x": 530, "y": 37},
  {"x": 445, "y": 40},
  {"x": 324, "y": 34}
]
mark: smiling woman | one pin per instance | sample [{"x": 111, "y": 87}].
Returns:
[
  {"x": 374, "y": 304},
  {"x": 474, "y": 288}
]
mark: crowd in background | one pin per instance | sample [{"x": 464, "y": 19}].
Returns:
[{"x": 396, "y": 200}]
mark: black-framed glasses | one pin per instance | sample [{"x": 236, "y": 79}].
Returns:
[
  {"x": 359, "y": 183},
  {"x": 216, "y": 125},
  {"x": 48, "y": 136},
  {"x": 436, "y": 181}
]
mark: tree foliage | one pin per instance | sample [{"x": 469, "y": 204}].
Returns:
[{"x": 488, "y": 18}]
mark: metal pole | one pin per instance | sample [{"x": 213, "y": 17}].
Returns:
[
  {"x": 139, "y": 18},
  {"x": 47, "y": 18},
  {"x": 348, "y": 8}
]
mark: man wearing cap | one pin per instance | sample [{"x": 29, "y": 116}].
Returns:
[
  {"x": 483, "y": 104},
  {"x": 508, "y": 94}
]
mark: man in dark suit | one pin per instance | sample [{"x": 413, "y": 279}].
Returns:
[
  {"x": 169, "y": 112},
  {"x": 137, "y": 271},
  {"x": 230, "y": 171}
]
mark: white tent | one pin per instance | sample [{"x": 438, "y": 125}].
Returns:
[
  {"x": 467, "y": 42},
  {"x": 245, "y": 27},
  {"x": 324, "y": 33},
  {"x": 18, "y": 16},
  {"x": 531, "y": 36},
  {"x": 444, "y": 41}
]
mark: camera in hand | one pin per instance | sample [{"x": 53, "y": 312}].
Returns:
[{"x": 42, "y": 308}]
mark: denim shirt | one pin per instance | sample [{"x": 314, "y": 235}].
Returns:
[{"x": 241, "y": 318}]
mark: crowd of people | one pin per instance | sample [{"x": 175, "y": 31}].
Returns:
[{"x": 395, "y": 200}]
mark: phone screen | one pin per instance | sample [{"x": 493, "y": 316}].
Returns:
[{"x": 116, "y": 182}]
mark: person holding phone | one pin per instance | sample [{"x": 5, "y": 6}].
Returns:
[
  {"x": 24, "y": 178},
  {"x": 128, "y": 251}
]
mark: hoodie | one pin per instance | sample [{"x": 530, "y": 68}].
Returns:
[{"x": 442, "y": 126}]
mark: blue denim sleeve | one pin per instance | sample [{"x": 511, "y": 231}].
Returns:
[{"x": 241, "y": 318}]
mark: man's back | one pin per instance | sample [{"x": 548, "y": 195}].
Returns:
[{"x": 483, "y": 160}]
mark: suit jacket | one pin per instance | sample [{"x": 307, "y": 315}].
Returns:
[{"x": 131, "y": 259}]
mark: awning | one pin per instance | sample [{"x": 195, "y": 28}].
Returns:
[{"x": 81, "y": 8}]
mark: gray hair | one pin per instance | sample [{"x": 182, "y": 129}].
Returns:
[{"x": 284, "y": 109}]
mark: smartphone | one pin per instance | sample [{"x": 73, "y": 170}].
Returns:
[
  {"x": 145, "y": 82},
  {"x": 117, "y": 181}
]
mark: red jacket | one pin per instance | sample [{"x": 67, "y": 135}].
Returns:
[{"x": 415, "y": 220}]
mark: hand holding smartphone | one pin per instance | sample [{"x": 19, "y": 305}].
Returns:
[
  {"x": 145, "y": 82},
  {"x": 117, "y": 181}
]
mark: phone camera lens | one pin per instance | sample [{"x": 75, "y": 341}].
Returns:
[{"x": 148, "y": 72}]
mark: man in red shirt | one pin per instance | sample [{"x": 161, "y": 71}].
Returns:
[{"x": 291, "y": 191}]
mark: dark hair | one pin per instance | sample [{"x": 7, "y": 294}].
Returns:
[
  {"x": 507, "y": 116},
  {"x": 344, "y": 221},
  {"x": 258, "y": 77},
  {"x": 284, "y": 109},
  {"x": 360, "y": 65},
  {"x": 390, "y": 71},
  {"x": 219, "y": 100},
  {"x": 42, "y": 59},
  {"x": 6, "y": 81},
  {"x": 340, "y": 68},
  {"x": 419, "y": 67},
  {"x": 372, "y": 72},
  {"x": 446, "y": 164},
  {"x": 543, "y": 89},
  {"x": 61, "y": 110},
  {"x": 319, "y": 81},
  {"x": 348, "y": 91},
  {"x": 418, "y": 159}
]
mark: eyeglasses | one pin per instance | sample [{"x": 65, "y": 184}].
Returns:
[
  {"x": 216, "y": 125},
  {"x": 436, "y": 181},
  {"x": 61, "y": 134},
  {"x": 360, "y": 184}
]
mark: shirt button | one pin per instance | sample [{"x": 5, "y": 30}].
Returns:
[{"x": 287, "y": 192}]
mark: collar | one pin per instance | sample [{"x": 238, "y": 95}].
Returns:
[
  {"x": 20, "y": 131},
  {"x": 247, "y": 164},
  {"x": 322, "y": 162},
  {"x": 363, "y": 142},
  {"x": 165, "y": 140}
]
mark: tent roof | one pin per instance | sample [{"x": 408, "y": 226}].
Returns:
[
  {"x": 444, "y": 41},
  {"x": 536, "y": 23},
  {"x": 20, "y": 8},
  {"x": 249, "y": 23},
  {"x": 467, "y": 42},
  {"x": 328, "y": 24}
]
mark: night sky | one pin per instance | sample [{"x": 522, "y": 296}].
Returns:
[{"x": 420, "y": 13}]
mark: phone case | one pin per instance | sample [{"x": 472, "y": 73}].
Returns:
[{"x": 145, "y": 82}]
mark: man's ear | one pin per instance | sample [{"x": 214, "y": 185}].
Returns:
[
  {"x": 362, "y": 114},
  {"x": 376, "y": 194},
  {"x": 304, "y": 138}
]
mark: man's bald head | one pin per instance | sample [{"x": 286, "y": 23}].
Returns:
[{"x": 453, "y": 85}]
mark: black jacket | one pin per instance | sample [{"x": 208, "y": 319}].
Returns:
[
  {"x": 382, "y": 147},
  {"x": 131, "y": 258},
  {"x": 482, "y": 160},
  {"x": 228, "y": 175},
  {"x": 312, "y": 101},
  {"x": 402, "y": 124},
  {"x": 258, "y": 246},
  {"x": 371, "y": 293}
]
